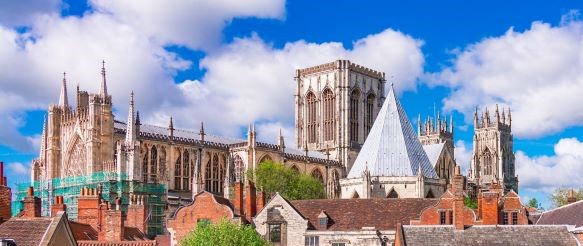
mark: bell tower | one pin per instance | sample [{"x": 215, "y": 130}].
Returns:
[{"x": 493, "y": 156}]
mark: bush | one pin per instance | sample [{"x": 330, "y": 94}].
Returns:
[
  {"x": 223, "y": 233},
  {"x": 274, "y": 177}
]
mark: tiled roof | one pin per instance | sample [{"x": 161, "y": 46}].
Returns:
[
  {"x": 392, "y": 148},
  {"x": 116, "y": 243},
  {"x": 25, "y": 231},
  {"x": 571, "y": 214},
  {"x": 489, "y": 235},
  {"x": 353, "y": 214},
  {"x": 433, "y": 152},
  {"x": 82, "y": 231}
]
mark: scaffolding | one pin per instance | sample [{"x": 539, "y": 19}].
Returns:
[{"x": 112, "y": 184}]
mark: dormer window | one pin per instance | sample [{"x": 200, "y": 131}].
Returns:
[{"x": 324, "y": 221}]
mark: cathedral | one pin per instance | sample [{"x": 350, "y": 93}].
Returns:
[{"x": 350, "y": 136}]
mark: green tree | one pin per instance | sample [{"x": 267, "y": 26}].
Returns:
[
  {"x": 223, "y": 233},
  {"x": 274, "y": 177},
  {"x": 560, "y": 195},
  {"x": 533, "y": 203},
  {"x": 470, "y": 203}
]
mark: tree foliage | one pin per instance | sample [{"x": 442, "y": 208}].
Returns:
[
  {"x": 534, "y": 203},
  {"x": 223, "y": 233},
  {"x": 470, "y": 203},
  {"x": 559, "y": 196},
  {"x": 274, "y": 177}
]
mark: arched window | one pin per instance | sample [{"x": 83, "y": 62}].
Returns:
[
  {"x": 487, "y": 157},
  {"x": 162, "y": 166},
  {"x": 265, "y": 158},
  {"x": 334, "y": 185},
  {"x": 300, "y": 119},
  {"x": 318, "y": 175},
  {"x": 311, "y": 111},
  {"x": 215, "y": 174},
  {"x": 185, "y": 170},
  {"x": 369, "y": 118},
  {"x": 355, "y": 195},
  {"x": 177, "y": 172},
  {"x": 393, "y": 194},
  {"x": 430, "y": 194},
  {"x": 329, "y": 110},
  {"x": 153, "y": 164},
  {"x": 145, "y": 165},
  {"x": 354, "y": 115},
  {"x": 207, "y": 174},
  {"x": 295, "y": 168},
  {"x": 239, "y": 167}
]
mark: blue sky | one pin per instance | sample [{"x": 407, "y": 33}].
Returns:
[{"x": 227, "y": 60}]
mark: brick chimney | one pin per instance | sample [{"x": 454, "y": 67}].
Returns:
[
  {"x": 458, "y": 182},
  {"x": 113, "y": 226},
  {"x": 260, "y": 200},
  {"x": 137, "y": 216},
  {"x": 5, "y": 196},
  {"x": 250, "y": 201},
  {"x": 238, "y": 198},
  {"x": 88, "y": 208},
  {"x": 489, "y": 204},
  {"x": 571, "y": 197},
  {"x": 31, "y": 204},
  {"x": 58, "y": 206}
]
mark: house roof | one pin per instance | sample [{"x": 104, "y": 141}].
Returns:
[
  {"x": 25, "y": 231},
  {"x": 489, "y": 235},
  {"x": 354, "y": 214},
  {"x": 433, "y": 152},
  {"x": 570, "y": 214},
  {"x": 116, "y": 243},
  {"x": 82, "y": 231},
  {"x": 392, "y": 147}
]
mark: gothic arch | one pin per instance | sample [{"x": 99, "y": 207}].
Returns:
[
  {"x": 369, "y": 112},
  {"x": 265, "y": 158},
  {"x": 355, "y": 194},
  {"x": 393, "y": 194},
  {"x": 329, "y": 112},
  {"x": 295, "y": 168},
  {"x": 76, "y": 164},
  {"x": 318, "y": 175},
  {"x": 239, "y": 168},
  {"x": 178, "y": 172},
  {"x": 430, "y": 194},
  {"x": 311, "y": 114},
  {"x": 354, "y": 113},
  {"x": 487, "y": 161},
  {"x": 334, "y": 185},
  {"x": 153, "y": 167},
  {"x": 162, "y": 163}
]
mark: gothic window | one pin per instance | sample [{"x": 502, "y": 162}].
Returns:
[
  {"x": 355, "y": 195},
  {"x": 265, "y": 158},
  {"x": 369, "y": 118},
  {"x": 239, "y": 167},
  {"x": 162, "y": 166},
  {"x": 311, "y": 111},
  {"x": 393, "y": 194},
  {"x": 300, "y": 119},
  {"x": 177, "y": 172},
  {"x": 354, "y": 115},
  {"x": 430, "y": 194},
  {"x": 487, "y": 157},
  {"x": 329, "y": 110},
  {"x": 77, "y": 159},
  {"x": 153, "y": 163},
  {"x": 207, "y": 174},
  {"x": 185, "y": 169},
  {"x": 318, "y": 175},
  {"x": 295, "y": 169},
  {"x": 145, "y": 165},
  {"x": 335, "y": 185},
  {"x": 214, "y": 175}
]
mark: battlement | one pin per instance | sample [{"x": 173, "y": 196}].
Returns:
[
  {"x": 501, "y": 120},
  {"x": 340, "y": 64}
]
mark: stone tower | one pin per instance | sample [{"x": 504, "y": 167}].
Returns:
[
  {"x": 436, "y": 132},
  {"x": 493, "y": 156},
  {"x": 336, "y": 105}
]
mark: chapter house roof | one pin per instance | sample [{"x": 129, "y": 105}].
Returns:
[
  {"x": 392, "y": 147},
  {"x": 433, "y": 152}
]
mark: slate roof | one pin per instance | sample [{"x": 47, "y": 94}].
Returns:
[
  {"x": 571, "y": 214},
  {"x": 392, "y": 148},
  {"x": 433, "y": 152},
  {"x": 354, "y": 214},
  {"x": 26, "y": 231},
  {"x": 489, "y": 235},
  {"x": 82, "y": 231}
]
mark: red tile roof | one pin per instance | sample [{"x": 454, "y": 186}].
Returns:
[
  {"x": 354, "y": 214},
  {"x": 25, "y": 231},
  {"x": 116, "y": 243},
  {"x": 82, "y": 231}
]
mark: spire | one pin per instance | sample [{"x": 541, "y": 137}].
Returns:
[
  {"x": 438, "y": 121},
  {"x": 103, "y": 91},
  {"x": 280, "y": 140},
  {"x": 476, "y": 118},
  {"x": 503, "y": 116},
  {"x": 63, "y": 100},
  {"x": 201, "y": 132},
  {"x": 130, "y": 126},
  {"x": 171, "y": 128},
  {"x": 509, "y": 118},
  {"x": 138, "y": 118},
  {"x": 451, "y": 124},
  {"x": 497, "y": 114}
]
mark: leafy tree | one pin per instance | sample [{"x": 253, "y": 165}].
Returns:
[
  {"x": 223, "y": 233},
  {"x": 533, "y": 203},
  {"x": 274, "y": 177},
  {"x": 470, "y": 203},
  {"x": 559, "y": 196}
]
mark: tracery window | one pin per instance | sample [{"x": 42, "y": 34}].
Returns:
[
  {"x": 207, "y": 175},
  {"x": 487, "y": 157},
  {"x": 145, "y": 165},
  {"x": 185, "y": 169},
  {"x": 318, "y": 175},
  {"x": 177, "y": 172},
  {"x": 239, "y": 166},
  {"x": 77, "y": 158},
  {"x": 265, "y": 158},
  {"x": 300, "y": 119},
  {"x": 354, "y": 115},
  {"x": 214, "y": 175},
  {"x": 369, "y": 118},
  {"x": 329, "y": 110},
  {"x": 153, "y": 163},
  {"x": 311, "y": 111},
  {"x": 162, "y": 166}
]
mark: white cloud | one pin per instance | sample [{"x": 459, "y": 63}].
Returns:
[
  {"x": 18, "y": 168},
  {"x": 195, "y": 24},
  {"x": 251, "y": 81},
  {"x": 538, "y": 72},
  {"x": 463, "y": 155},
  {"x": 23, "y": 12},
  {"x": 545, "y": 173}
]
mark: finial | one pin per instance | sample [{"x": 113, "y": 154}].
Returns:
[
  {"x": 63, "y": 100},
  {"x": 171, "y": 125},
  {"x": 201, "y": 131},
  {"x": 138, "y": 118},
  {"x": 103, "y": 91}
]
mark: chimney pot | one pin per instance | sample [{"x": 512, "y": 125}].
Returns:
[{"x": 30, "y": 191}]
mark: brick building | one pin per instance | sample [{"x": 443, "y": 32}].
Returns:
[
  {"x": 209, "y": 208},
  {"x": 5, "y": 196}
]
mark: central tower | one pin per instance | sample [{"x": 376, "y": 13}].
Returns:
[{"x": 336, "y": 105}]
